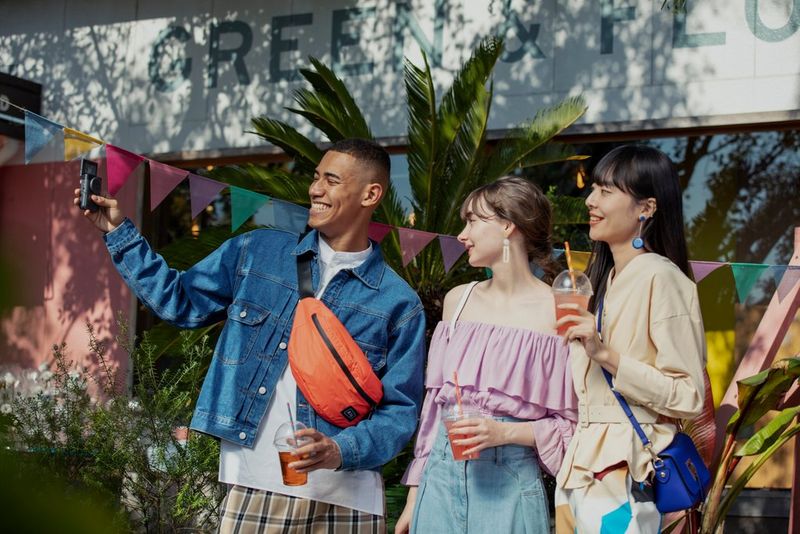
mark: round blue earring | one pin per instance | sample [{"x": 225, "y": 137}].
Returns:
[{"x": 638, "y": 242}]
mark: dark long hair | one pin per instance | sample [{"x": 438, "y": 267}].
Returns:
[
  {"x": 642, "y": 172},
  {"x": 521, "y": 202}
]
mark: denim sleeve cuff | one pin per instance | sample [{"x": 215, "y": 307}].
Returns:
[
  {"x": 121, "y": 236},
  {"x": 349, "y": 451}
]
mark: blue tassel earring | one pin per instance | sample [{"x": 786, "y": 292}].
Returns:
[{"x": 638, "y": 242}]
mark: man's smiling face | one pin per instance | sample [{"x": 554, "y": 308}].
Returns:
[{"x": 336, "y": 194}]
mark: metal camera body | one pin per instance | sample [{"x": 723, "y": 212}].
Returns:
[{"x": 91, "y": 184}]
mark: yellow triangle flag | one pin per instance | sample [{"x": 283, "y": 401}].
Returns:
[
  {"x": 580, "y": 260},
  {"x": 77, "y": 143}
]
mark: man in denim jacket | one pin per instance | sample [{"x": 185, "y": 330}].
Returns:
[{"x": 251, "y": 281}]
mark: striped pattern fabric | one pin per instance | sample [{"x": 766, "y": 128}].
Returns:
[{"x": 251, "y": 511}]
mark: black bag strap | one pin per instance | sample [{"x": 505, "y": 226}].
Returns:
[
  {"x": 305, "y": 287},
  {"x": 304, "y": 284}
]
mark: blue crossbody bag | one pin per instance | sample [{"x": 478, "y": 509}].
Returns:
[{"x": 681, "y": 477}]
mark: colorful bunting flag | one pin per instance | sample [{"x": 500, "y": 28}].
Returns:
[
  {"x": 244, "y": 204},
  {"x": 290, "y": 216},
  {"x": 580, "y": 260},
  {"x": 163, "y": 179},
  {"x": 701, "y": 269},
  {"x": 745, "y": 275},
  {"x": 790, "y": 279},
  {"x": 120, "y": 164},
  {"x": 78, "y": 143},
  {"x": 378, "y": 231},
  {"x": 412, "y": 242},
  {"x": 202, "y": 191},
  {"x": 452, "y": 249},
  {"x": 70, "y": 144},
  {"x": 39, "y": 132}
]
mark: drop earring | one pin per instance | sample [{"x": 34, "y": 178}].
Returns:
[
  {"x": 506, "y": 250},
  {"x": 638, "y": 242}
]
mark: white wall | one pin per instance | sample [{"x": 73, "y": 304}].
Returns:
[{"x": 632, "y": 60}]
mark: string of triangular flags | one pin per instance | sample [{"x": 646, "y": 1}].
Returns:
[{"x": 121, "y": 164}]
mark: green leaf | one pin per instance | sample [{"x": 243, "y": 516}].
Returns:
[
  {"x": 768, "y": 435},
  {"x": 287, "y": 138},
  {"x": 270, "y": 180},
  {"x": 761, "y": 393},
  {"x": 357, "y": 124},
  {"x": 523, "y": 142}
]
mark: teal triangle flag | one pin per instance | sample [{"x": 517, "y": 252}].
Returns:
[
  {"x": 244, "y": 204},
  {"x": 745, "y": 275},
  {"x": 38, "y": 133}
]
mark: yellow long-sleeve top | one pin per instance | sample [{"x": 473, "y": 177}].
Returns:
[{"x": 651, "y": 318}]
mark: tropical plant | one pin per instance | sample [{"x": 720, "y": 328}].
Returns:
[
  {"x": 758, "y": 395},
  {"x": 449, "y": 154}
]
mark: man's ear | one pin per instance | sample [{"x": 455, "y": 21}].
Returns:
[{"x": 373, "y": 192}]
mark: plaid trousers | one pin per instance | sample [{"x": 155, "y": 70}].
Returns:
[{"x": 251, "y": 511}]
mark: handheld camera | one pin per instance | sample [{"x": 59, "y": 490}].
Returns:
[{"x": 91, "y": 184}]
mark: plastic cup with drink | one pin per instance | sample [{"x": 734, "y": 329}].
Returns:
[
  {"x": 570, "y": 287},
  {"x": 287, "y": 444},
  {"x": 453, "y": 413}
]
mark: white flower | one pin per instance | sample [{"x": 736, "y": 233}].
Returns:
[
  {"x": 33, "y": 375},
  {"x": 8, "y": 378},
  {"x": 93, "y": 400},
  {"x": 46, "y": 376},
  {"x": 43, "y": 367},
  {"x": 74, "y": 374},
  {"x": 5, "y": 408},
  {"x": 133, "y": 404}
]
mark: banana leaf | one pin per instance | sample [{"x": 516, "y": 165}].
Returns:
[{"x": 761, "y": 393}]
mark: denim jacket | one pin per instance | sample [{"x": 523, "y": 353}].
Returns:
[{"x": 251, "y": 281}]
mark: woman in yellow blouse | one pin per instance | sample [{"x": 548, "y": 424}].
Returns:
[{"x": 652, "y": 343}]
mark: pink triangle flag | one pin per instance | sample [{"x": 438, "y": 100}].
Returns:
[
  {"x": 120, "y": 164},
  {"x": 378, "y": 231},
  {"x": 452, "y": 249},
  {"x": 701, "y": 269},
  {"x": 789, "y": 280},
  {"x": 163, "y": 179},
  {"x": 202, "y": 191},
  {"x": 412, "y": 242}
]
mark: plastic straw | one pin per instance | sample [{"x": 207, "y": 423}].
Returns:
[
  {"x": 291, "y": 419},
  {"x": 569, "y": 266},
  {"x": 458, "y": 393}
]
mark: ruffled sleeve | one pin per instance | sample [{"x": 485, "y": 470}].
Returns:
[
  {"x": 552, "y": 435},
  {"x": 426, "y": 436}
]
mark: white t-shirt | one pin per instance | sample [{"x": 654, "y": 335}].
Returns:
[{"x": 259, "y": 467}]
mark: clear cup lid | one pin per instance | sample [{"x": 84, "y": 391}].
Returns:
[
  {"x": 572, "y": 282},
  {"x": 285, "y": 437}
]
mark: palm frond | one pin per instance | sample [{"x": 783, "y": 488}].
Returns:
[
  {"x": 358, "y": 124},
  {"x": 280, "y": 134},
  {"x": 273, "y": 181},
  {"x": 422, "y": 131},
  {"x": 184, "y": 253},
  {"x": 467, "y": 85},
  {"x": 551, "y": 153},
  {"x": 547, "y": 123},
  {"x": 463, "y": 159}
]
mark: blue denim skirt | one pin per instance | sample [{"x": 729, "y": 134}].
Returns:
[{"x": 500, "y": 492}]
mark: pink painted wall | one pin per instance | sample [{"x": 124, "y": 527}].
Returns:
[{"x": 62, "y": 274}]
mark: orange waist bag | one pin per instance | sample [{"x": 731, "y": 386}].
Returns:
[{"x": 329, "y": 367}]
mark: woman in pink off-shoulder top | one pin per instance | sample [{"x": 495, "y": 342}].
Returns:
[{"x": 499, "y": 336}]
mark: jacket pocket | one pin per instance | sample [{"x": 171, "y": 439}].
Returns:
[
  {"x": 242, "y": 330},
  {"x": 375, "y": 355}
]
